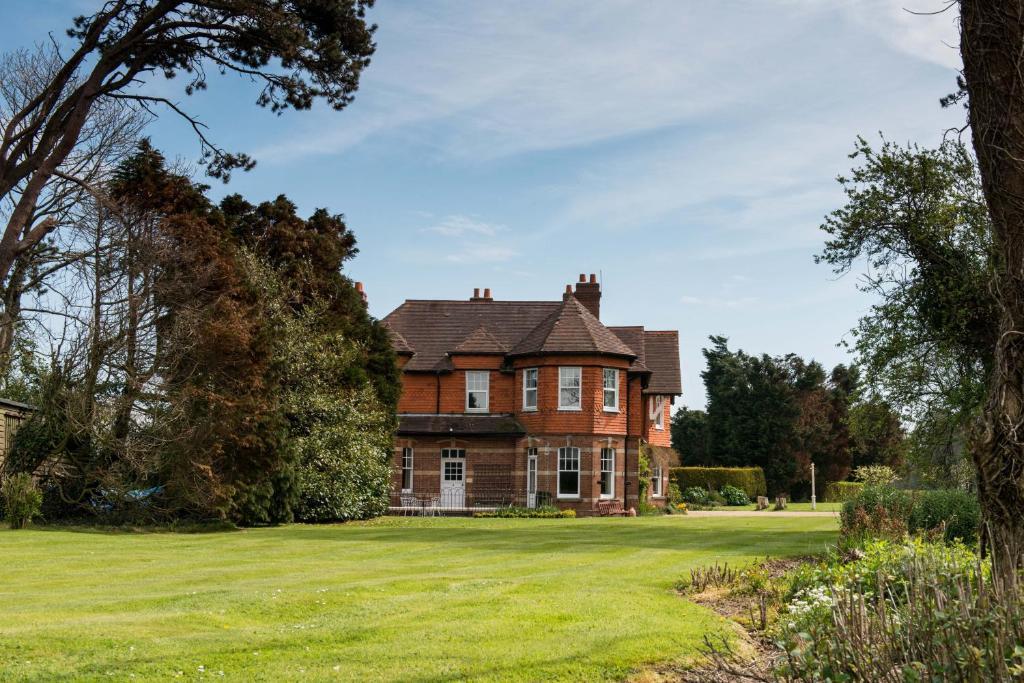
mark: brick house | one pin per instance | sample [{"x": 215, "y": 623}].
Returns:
[{"x": 530, "y": 402}]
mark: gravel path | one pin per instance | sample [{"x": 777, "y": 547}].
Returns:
[{"x": 762, "y": 513}]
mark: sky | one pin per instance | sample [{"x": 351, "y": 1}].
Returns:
[{"x": 687, "y": 151}]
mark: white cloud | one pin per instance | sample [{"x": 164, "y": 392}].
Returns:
[
  {"x": 482, "y": 253},
  {"x": 458, "y": 225}
]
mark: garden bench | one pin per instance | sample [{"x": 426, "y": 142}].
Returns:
[{"x": 610, "y": 508}]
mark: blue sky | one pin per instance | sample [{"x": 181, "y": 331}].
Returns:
[{"x": 687, "y": 151}]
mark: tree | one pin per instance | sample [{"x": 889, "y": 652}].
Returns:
[
  {"x": 915, "y": 224},
  {"x": 299, "y": 51},
  {"x": 916, "y": 219},
  {"x": 690, "y": 436},
  {"x": 991, "y": 33},
  {"x": 877, "y": 434}
]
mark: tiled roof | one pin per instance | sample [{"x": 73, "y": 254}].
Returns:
[
  {"x": 481, "y": 341},
  {"x": 491, "y": 425},
  {"x": 571, "y": 329},
  {"x": 633, "y": 337},
  {"x": 430, "y": 331},
  {"x": 662, "y": 359},
  {"x": 434, "y": 328},
  {"x": 399, "y": 342}
]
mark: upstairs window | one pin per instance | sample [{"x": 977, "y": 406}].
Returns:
[
  {"x": 611, "y": 390},
  {"x": 657, "y": 411},
  {"x": 570, "y": 382},
  {"x": 406, "y": 470},
  {"x": 530, "y": 389},
  {"x": 568, "y": 472},
  {"x": 477, "y": 391}
]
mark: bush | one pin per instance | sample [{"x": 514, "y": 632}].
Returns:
[
  {"x": 545, "y": 512},
  {"x": 956, "y": 513},
  {"x": 749, "y": 479},
  {"x": 696, "y": 495},
  {"x": 878, "y": 512},
  {"x": 734, "y": 496},
  {"x": 842, "y": 491},
  {"x": 22, "y": 500},
  {"x": 904, "y": 612},
  {"x": 875, "y": 475}
]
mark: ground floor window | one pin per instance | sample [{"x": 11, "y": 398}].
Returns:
[
  {"x": 568, "y": 472},
  {"x": 607, "y": 472},
  {"x": 656, "y": 481},
  {"x": 406, "y": 469}
]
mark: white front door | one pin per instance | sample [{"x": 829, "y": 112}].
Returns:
[
  {"x": 531, "y": 479},
  {"x": 453, "y": 478}
]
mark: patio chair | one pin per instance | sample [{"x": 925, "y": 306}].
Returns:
[{"x": 409, "y": 504}]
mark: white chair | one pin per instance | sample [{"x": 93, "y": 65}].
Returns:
[{"x": 409, "y": 504}]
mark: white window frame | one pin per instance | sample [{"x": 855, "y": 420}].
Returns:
[
  {"x": 407, "y": 465},
  {"x": 486, "y": 390},
  {"x": 657, "y": 490},
  {"x": 567, "y": 454},
  {"x": 608, "y": 466},
  {"x": 657, "y": 412},
  {"x": 614, "y": 408},
  {"x": 532, "y": 468},
  {"x": 535, "y": 389},
  {"x": 563, "y": 374}
]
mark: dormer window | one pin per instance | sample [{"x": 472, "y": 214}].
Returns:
[
  {"x": 570, "y": 382},
  {"x": 477, "y": 390},
  {"x": 611, "y": 390}
]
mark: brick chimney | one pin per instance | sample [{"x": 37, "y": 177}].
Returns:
[
  {"x": 486, "y": 296},
  {"x": 589, "y": 294},
  {"x": 362, "y": 291}
]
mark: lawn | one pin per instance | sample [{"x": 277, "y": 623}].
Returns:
[{"x": 395, "y": 599}]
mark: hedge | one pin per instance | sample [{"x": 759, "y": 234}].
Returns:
[
  {"x": 750, "y": 479},
  {"x": 842, "y": 491}
]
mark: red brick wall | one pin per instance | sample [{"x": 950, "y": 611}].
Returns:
[
  {"x": 592, "y": 419},
  {"x": 427, "y": 465},
  {"x": 659, "y": 437}
]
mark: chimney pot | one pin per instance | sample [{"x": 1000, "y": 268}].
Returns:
[
  {"x": 568, "y": 289},
  {"x": 362, "y": 291},
  {"x": 476, "y": 292},
  {"x": 487, "y": 293},
  {"x": 593, "y": 279},
  {"x": 583, "y": 278}
]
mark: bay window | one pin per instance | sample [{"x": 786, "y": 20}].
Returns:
[
  {"x": 568, "y": 472},
  {"x": 607, "y": 472},
  {"x": 611, "y": 390},
  {"x": 570, "y": 384}
]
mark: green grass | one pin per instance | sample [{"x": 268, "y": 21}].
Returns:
[{"x": 395, "y": 599}]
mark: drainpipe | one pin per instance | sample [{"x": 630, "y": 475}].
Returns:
[{"x": 437, "y": 399}]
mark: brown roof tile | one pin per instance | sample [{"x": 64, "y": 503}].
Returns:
[
  {"x": 662, "y": 358},
  {"x": 480, "y": 341},
  {"x": 571, "y": 329},
  {"x": 435, "y": 328}
]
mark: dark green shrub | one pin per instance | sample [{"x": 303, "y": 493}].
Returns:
[
  {"x": 749, "y": 479},
  {"x": 842, "y": 491},
  {"x": 22, "y": 500},
  {"x": 734, "y": 496},
  {"x": 956, "y": 512},
  {"x": 696, "y": 495},
  {"x": 878, "y": 512}
]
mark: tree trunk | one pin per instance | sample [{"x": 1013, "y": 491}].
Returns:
[{"x": 992, "y": 46}]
